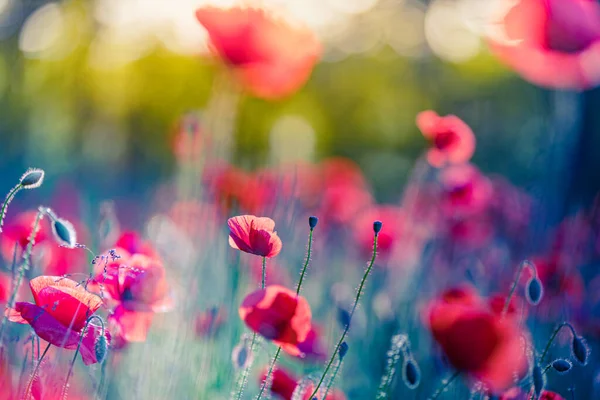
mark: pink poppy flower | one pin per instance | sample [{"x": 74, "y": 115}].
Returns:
[
  {"x": 59, "y": 314},
  {"x": 475, "y": 340},
  {"x": 284, "y": 384},
  {"x": 466, "y": 191},
  {"x": 254, "y": 235},
  {"x": 137, "y": 285},
  {"x": 516, "y": 393},
  {"x": 278, "y": 314},
  {"x": 552, "y": 43},
  {"x": 452, "y": 141},
  {"x": 271, "y": 57}
]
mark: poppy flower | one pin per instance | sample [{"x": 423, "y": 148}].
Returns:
[
  {"x": 209, "y": 322},
  {"x": 515, "y": 308},
  {"x": 551, "y": 43},
  {"x": 254, "y": 235},
  {"x": 516, "y": 393},
  {"x": 133, "y": 243},
  {"x": 271, "y": 57},
  {"x": 466, "y": 191},
  {"x": 284, "y": 385},
  {"x": 49, "y": 381},
  {"x": 136, "y": 284},
  {"x": 62, "y": 307},
  {"x": 475, "y": 340},
  {"x": 5, "y": 287},
  {"x": 312, "y": 348},
  {"x": 279, "y": 315},
  {"x": 452, "y": 141}
]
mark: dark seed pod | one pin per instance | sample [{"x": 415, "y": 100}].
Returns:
[
  {"x": 312, "y": 222},
  {"x": 580, "y": 349},
  {"x": 377, "y": 227},
  {"x": 561, "y": 365},
  {"x": 343, "y": 317},
  {"x": 32, "y": 178},
  {"x": 539, "y": 380},
  {"x": 343, "y": 350},
  {"x": 64, "y": 233},
  {"x": 534, "y": 291},
  {"x": 411, "y": 374},
  {"x": 101, "y": 348},
  {"x": 241, "y": 355}
]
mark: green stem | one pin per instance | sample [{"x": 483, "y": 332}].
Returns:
[
  {"x": 264, "y": 273},
  {"x": 34, "y": 373},
  {"x": 516, "y": 282},
  {"x": 308, "y": 252},
  {"x": 244, "y": 376},
  {"x": 553, "y": 336},
  {"x": 333, "y": 376},
  {"x": 269, "y": 373},
  {"x": 444, "y": 386},
  {"x": 358, "y": 294},
  {"x": 9, "y": 197}
]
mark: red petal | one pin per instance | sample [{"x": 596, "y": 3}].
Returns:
[
  {"x": 134, "y": 325},
  {"x": 47, "y": 327}
]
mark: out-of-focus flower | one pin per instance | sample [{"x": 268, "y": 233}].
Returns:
[
  {"x": 208, "y": 323},
  {"x": 136, "y": 285},
  {"x": 278, "y": 314},
  {"x": 333, "y": 394},
  {"x": 466, "y": 191},
  {"x": 452, "y": 141},
  {"x": 515, "y": 308},
  {"x": 475, "y": 340},
  {"x": 283, "y": 383},
  {"x": 5, "y": 287},
  {"x": 49, "y": 382},
  {"x": 552, "y": 43},
  {"x": 516, "y": 393},
  {"x": 271, "y": 57},
  {"x": 132, "y": 243},
  {"x": 312, "y": 348},
  {"x": 254, "y": 235},
  {"x": 393, "y": 220},
  {"x": 59, "y": 315},
  {"x": 6, "y": 385}
]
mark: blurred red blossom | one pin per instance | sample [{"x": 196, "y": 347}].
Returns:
[
  {"x": 208, "y": 322},
  {"x": 452, "y": 141},
  {"x": 466, "y": 191},
  {"x": 552, "y": 43},
  {"x": 278, "y": 314},
  {"x": 59, "y": 315},
  {"x": 393, "y": 220},
  {"x": 271, "y": 57},
  {"x": 49, "y": 382},
  {"x": 516, "y": 393},
  {"x": 254, "y": 235},
  {"x": 284, "y": 384},
  {"x": 475, "y": 340}
]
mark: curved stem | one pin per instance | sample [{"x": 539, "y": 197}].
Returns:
[
  {"x": 308, "y": 252},
  {"x": 444, "y": 386},
  {"x": 553, "y": 336},
  {"x": 358, "y": 294},
  {"x": 9, "y": 197},
  {"x": 516, "y": 282},
  {"x": 268, "y": 377},
  {"x": 34, "y": 373}
]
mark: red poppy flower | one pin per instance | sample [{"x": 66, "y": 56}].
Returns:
[
  {"x": 59, "y": 314},
  {"x": 137, "y": 285},
  {"x": 515, "y": 308},
  {"x": 453, "y": 142},
  {"x": 312, "y": 348},
  {"x": 279, "y": 315},
  {"x": 475, "y": 340},
  {"x": 209, "y": 322},
  {"x": 133, "y": 243},
  {"x": 516, "y": 393},
  {"x": 466, "y": 191},
  {"x": 552, "y": 43},
  {"x": 49, "y": 381},
  {"x": 5, "y": 287},
  {"x": 254, "y": 235},
  {"x": 271, "y": 57},
  {"x": 284, "y": 384}
]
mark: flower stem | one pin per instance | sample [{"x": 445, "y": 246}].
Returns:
[
  {"x": 34, "y": 373},
  {"x": 553, "y": 336},
  {"x": 358, "y": 294},
  {"x": 516, "y": 282},
  {"x": 264, "y": 273},
  {"x": 444, "y": 386},
  {"x": 333, "y": 376},
  {"x": 9, "y": 197},
  {"x": 266, "y": 382}
]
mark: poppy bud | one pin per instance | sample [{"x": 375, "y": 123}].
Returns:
[
  {"x": 32, "y": 178},
  {"x": 343, "y": 350},
  {"x": 377, "y": 227},
  {"x": 534, "y": 291},
  {"x": 312, "y": 222},
  {"x": 343, "y": 317},
  {"x": 411, "y": 373},
  {"x": 539, "y": 380},
  {"x": 241, "y": 355},
  {"x": 580, "y": 350},
  {"x": 561, "y": 365},
  {"x": 101, "y": 348},
  {"x": 64, "y": 233}
]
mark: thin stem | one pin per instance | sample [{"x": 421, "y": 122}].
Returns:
[
  {"x": 9, "y": 197},
  {"x": 247, "y": 369},
  {"x": 444, "y": 386},
  {"x": 553, "y": 336},
  {"x": 333, "y": 376},
  {"x": 268, "y": 377},
  {"x": 35, "y": 371},
  {"x": 308, "y": 252},
  {"x": 358, "y": 294},
  {"x": 264, "y": 273},
  {"x": 516, "y": 282}
]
